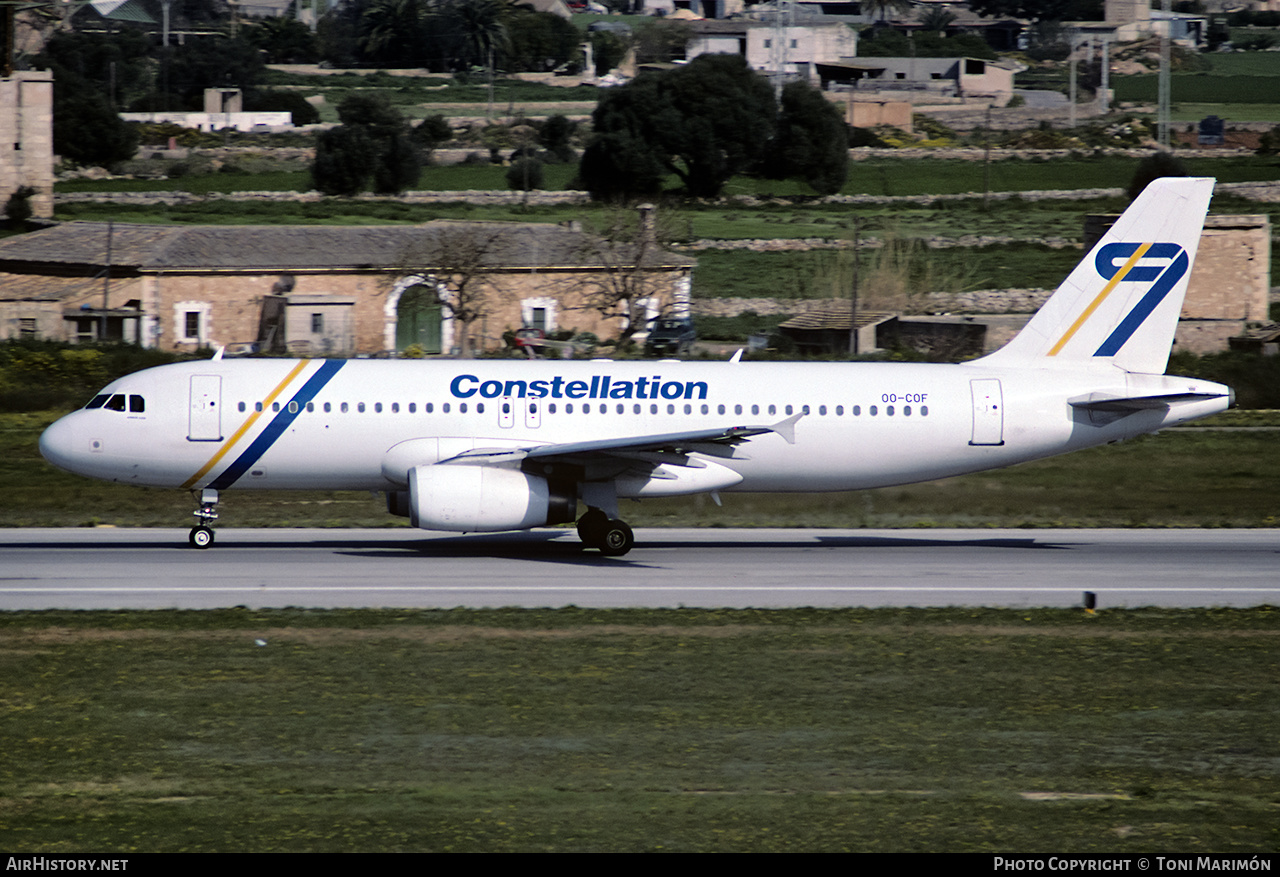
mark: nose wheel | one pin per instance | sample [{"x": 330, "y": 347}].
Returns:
[
  {"x": 201, "y": 535},
  {"x": 611, "y": 537}
]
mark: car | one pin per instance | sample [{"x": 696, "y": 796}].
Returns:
[{"x": 670, "y": 336}]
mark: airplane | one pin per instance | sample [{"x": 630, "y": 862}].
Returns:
[{"x": 494, "y": 445}]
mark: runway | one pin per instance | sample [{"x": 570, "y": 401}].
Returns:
[{"x": 146, "y": 569}]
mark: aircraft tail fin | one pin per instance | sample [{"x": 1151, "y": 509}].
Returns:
[{"x": 1120, "y": 305}]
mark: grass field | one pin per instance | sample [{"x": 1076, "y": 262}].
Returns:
[
  {"x": 879, "y": 176},
  {"x": 682, "y": 730}
]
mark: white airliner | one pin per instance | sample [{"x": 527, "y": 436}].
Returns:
[{"x": 495, "y": 445}]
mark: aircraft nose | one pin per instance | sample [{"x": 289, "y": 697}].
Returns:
[{"x": 64, "y": 445}]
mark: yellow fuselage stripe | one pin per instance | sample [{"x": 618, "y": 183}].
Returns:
[
  {"x": 1106, "y": 291},
  {"x": 245, "y": 427}
]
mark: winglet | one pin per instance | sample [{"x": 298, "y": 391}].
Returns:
[
  {"x": 737, "y": 356},
  {"x": 217, "y": 354}
]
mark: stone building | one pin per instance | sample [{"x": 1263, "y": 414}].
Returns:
[
  {"x": 322, "y": 290},
  {"x": 1230, "y": 281},
  {"x": 26, "y": 138}
]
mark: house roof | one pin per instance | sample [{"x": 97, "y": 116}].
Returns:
[
  {"x": 160, "y": 248},
  {"x": 833, "y": 317}
]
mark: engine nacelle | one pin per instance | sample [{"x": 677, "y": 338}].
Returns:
[{"x": 479, "y": 499}]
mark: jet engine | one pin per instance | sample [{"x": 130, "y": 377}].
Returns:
[{"x": 476, "y": 499}]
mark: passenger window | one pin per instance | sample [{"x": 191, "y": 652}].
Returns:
[
  {"x": 857, "y": 410},
  {"x": 688, "y": 409},
  {"x": 293, "y": 407},
  {"x": 480, "y": 407},
  {"x": 622, "y": 408},
  {"x": 755, "y": 409},
  {"x": 719, "y": 409},
  {"x": 924, "y": 410},
  {"x": 257, "y": 406},
  {"x": 787, "y": 409},
  {"x": 328, "y": 407},
  {"x": 311, "y": 406},
  {"x": 872, "y": 411},
  {"x": 377, "y": 407},
  {"x": 773, "y": 409},
  {"x": 444, "y": 409},
  {"x": 462, "y": 407},
  {"x": 653, "y": 409},
  {"x": 395, "y": 407},
  {"x": 275, "y": 406},
  {"x": 839, "y": 410},
  {"x": 888, "y": 410},
  {"x": 671, "y": 409},
  {"x": 636, "y": 408},
  {"x": 360, "y": 407},
  {"x": 906, "y": 410},
  {"x": 344, "y": 408},
  {"x": 430, "y": 407},
  {"x": 413, "y": 407},
  {"x": 822, "y": 410},
  {"x": 241, "y": 406},
  {"x": 551, "y": 408},
  {"x": 568, "y": 408}
]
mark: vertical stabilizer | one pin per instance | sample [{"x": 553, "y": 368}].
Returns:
[{"x": 1120, "y": 305}]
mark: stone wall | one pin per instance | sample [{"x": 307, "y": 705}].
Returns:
[{"x": 26, "y": 138}]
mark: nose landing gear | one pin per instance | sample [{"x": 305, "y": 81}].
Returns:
[{"x": 201, "y": 535}]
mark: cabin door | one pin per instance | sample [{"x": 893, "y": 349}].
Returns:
[
  {"x": 204, "y": 414},
  {"x": 988, "y": 412}
]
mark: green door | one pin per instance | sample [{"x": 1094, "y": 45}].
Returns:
[{"x": 418, "y": 319}]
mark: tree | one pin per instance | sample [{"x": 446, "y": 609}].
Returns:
[
  {"x": 86, "y": 128},
  {"x": 1153, "y": 167},
  {"x": 392, "y": 32},
  {"x": 284, "y": 41},
  {"x": 884, "y": 7},
  {"x": 462, "y": 259},
  {"x": 628, "y": 248},
  {"x": 703, "y": 122},
  {"x": 539, "y": 41},
  {"x": 370, "y": 149},
  {"x": 479, "y": 30},
  {"x": 811, "y": 141}
]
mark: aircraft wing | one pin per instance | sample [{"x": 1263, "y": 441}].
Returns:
[{"x": 716, "y": 442}]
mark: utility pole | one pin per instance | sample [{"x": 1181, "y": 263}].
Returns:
[{"x": 853, "y": 314}]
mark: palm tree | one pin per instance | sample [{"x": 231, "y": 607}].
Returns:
[
  {"x": 884, "y": 7},
  {"x": 937, "y": 19},
  {"x": 481, "y": 31},
  {"x": 391, "y": 31}
]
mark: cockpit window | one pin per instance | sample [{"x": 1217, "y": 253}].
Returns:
[
  {"x": 137, "y": 404},
  {"x": 116, "y": 402},
  {"x": 98, "y": 401}
]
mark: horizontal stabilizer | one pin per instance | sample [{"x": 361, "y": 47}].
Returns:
[{"x": 1129, "y": 404}]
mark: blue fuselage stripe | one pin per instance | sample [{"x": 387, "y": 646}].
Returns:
[{"x": 278, "y": 424}]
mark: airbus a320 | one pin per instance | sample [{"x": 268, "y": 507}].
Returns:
[{"x": 483, "y": 446}]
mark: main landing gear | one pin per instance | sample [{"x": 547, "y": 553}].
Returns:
[
  {"x": 612, "y": 537},
  {"x": 201, "y": 535}
]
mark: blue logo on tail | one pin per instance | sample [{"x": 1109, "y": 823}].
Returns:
[{"x": 1112, "y": 262}]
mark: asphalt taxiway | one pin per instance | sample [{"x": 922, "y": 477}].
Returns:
[{"x": 142, "y": 569}]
